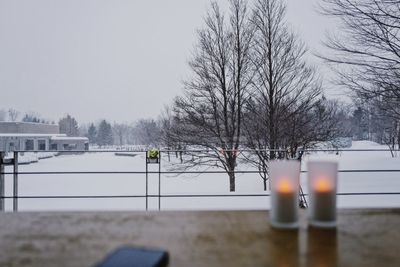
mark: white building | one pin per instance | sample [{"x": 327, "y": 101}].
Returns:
[{"x": 25, "y": 136}]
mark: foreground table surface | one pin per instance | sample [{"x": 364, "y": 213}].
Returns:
[{"x": 199, "y": 238}]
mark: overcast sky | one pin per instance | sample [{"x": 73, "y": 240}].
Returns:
[{"x": 115, "y": 59}]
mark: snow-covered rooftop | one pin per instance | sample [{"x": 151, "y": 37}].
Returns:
[
  {"x": 68, "y": 138},
  {"x": 30, "y": 135}
]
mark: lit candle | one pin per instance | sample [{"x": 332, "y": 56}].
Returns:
[
  {"x": 322, "y": 184},
  {"x": 284, "y": 193},
  {"x": 285, "y": 198}
]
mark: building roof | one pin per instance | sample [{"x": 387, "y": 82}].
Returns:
[
  {"x": 9, "y": 127},
  {"x": 68, "y": 138},
  {"x": 53, "y": 137},
  {"x": 30, "y": 135}
]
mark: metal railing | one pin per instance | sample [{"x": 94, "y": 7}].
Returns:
[{"x": 14, "y": 162}]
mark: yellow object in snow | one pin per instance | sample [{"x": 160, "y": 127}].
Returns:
[{"x": 153, "y": 153}]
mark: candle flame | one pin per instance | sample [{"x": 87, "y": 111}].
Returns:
[
  {"x": 285, "y": 186},
  {"x": 323, "y": 185}
]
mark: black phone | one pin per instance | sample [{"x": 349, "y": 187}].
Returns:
[{"x": 135, "y": 257}]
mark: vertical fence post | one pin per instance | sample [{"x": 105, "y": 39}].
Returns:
[
  {"x": 15, "y": 174},
  {"x": 147, "y": 181},
  {"x": 159, "y": 181},
  {"x": 2, "y": 154}
]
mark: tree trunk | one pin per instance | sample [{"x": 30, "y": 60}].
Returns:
[
  {"x": 398, "y": 136},
  {"x": 232, "y": 181}
]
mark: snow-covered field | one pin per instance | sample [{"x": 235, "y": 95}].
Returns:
[{"x": 134, "y": 184}]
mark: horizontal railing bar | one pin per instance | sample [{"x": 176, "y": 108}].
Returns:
[
  {"x": 216, "y": 195},
  {"x": 188, "y": 195},
  {"x": 64, "y": 197},
  {"x": 129, "y": 172},
  {"x": 76, "y": 151},
  {"x": 283, "y": 150},
  {"x": 80, "y": 172},
  {"x": 267, "y": 195},
  {"x": 350, "y": 150},
  {"x": 367, "y": 193},
  {"x": 204, "y": 151},
  {"x": 173, "y": 172},
  {"x": 344, "y": 171},
  {"x": 136, "y": 196}
]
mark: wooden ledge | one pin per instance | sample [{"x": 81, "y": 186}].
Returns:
[{"x": 367, "y": 237}]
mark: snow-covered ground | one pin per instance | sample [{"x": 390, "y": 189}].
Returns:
[{"x": 134, "y": 184}]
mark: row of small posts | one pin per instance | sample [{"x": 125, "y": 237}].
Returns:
[{"x": 8, "y": 162}]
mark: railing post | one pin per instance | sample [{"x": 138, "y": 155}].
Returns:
[
  {"x": 15, "y": 187},
  {"x": 147, "y": 181},
  {"x": 2, "y": 154},
  {"x": 159, "y": 181}
]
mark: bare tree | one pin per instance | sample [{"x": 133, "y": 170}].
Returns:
[
  {"x": 167, "y": 123},
  {"x": 209, "y": 115},
  {"x": 377, "y": 124},
  {"x": 286, "y": 89},
  {"x": 370, "y": 121},
  {"x": 367, "y": 52},
  {"x": 13, "y": 114},
  {"x": 120, "y": 133},
  {"x": 147, "y": 132}
]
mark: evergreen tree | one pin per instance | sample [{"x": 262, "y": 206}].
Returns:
[
  {"x": 104, "y": 135},
  {"x": 69, "y": 126},
  {"x": 34, "y": 118},
  {"x": 92, "y": 134}
]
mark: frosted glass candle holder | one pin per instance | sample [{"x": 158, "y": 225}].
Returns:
[
  {"x": 322, "y": 188},
  {"x": 284, "y": 193}
]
